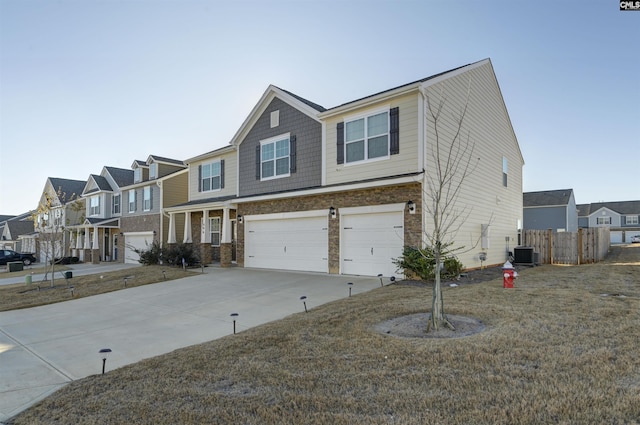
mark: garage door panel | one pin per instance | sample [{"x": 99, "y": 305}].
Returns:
[
  {"x": 616, "y": 237},
  {"x": 370, "y": 242},
  {"x": 133, "y": 242},
  {"x": 288, "y": 244}
]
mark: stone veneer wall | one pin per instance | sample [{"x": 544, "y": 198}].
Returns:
[{"x": 354, "y": 198}]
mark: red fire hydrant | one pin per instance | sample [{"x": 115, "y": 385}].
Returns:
[{"x": 509, "y": 274}]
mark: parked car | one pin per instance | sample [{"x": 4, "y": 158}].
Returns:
[
  {"x": 8, "y": 256},
  {"x": 635, "y": 239}
]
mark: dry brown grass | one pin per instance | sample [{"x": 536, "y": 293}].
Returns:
[
  {"x": 20, "y": 295},
  {"x": 562, "y": 347}
]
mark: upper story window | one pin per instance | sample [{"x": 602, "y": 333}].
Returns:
[
  {"x": 214, "y": 228},
  {"x": 631, "y": 219},
  {"x": 367, "y": 138},
  {"x": 115, "y": 204},
  {"x": 602, "y": 221},
  {"x": 132, "y": 201},
  {"x": 153, "y": 171},
  {"x": 146, "y": 199},
  {"x": 505, "y": 171},
  {"x": 94, "y": 205},
  {"x": 211, "y": 176},
  {"x": 137, "y": 175},
  {"x": 275, "y": 157},
  {"x": 57, "y": 217},
  {"x": 370, "y": 137}
]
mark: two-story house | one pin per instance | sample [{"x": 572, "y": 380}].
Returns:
[
  {"x": 60, "y": 208},
  {"x": 157, "y": 183},
  {"x": 550, "y": 209},
  {"x": 343, "y": 190},
  {"x": 123, "y": 211},
  {"x": 17, "y": 232},
  {"x": 623, "y": 218}
]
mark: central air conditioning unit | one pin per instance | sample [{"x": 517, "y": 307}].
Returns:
[{"x": 523, "y": 255}]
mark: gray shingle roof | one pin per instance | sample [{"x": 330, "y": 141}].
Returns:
[
  {"x": 583, "y": 209},
  {"x": 167, "y": 160},
  {"x": 546, "y": 198},
  {"x": 102, "y": 183},
  {"x": 17, "y": 228},
  {"x": 315, "y": 106},
  {"x": 621, "y": 207},
  {"x": 121, "y": 176},
  {"x": 69, "y": 190}
]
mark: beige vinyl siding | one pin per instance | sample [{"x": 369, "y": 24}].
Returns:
[
  {"x": 404, "y": 162},
  {"x": 483, "y": 198},
  {"x": 230, "y": 178},
  {"x": 174, "y": 190}
]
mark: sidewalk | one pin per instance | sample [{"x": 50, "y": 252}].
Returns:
[{"x": 79, "y": 269}]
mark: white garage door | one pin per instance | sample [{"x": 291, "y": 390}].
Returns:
[
  {"x": 287, "y": 244},
  {"x": 616, "y": 237},
  {"x": 629, "y": 234},
  {"x": 139, "y": 241},
  {"x": 370, "y": 242}
]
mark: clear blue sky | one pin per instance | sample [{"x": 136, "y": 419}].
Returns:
[{"x": 86, "y": 83}]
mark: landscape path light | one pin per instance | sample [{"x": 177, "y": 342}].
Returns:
[
  {"x": 304, "y": 301},
  {"x": 104, "y": 353},
  {"x": 234, "y": 315},
  {"x": 350, "y": 285},
  {"x": 380, "y": 276}
]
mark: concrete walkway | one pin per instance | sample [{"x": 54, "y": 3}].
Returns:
[{"x": 44, "y": 348}]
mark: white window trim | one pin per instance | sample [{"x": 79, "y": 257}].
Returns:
[
  {"x": 113, "y": 203},
  {"x": 505, "y": 172},
  {"x": 219, "y": 175},
  {"x": 153, "y": 170},
  {"x": 94, "y": 210},
  {"x": 603, "y": 217},
  {"x": 131, "y": 203},
  {"x": 634, "y": 219},
  {"x": 359, "y": 116},
  {"x": 144, "y": 198},
  {"x": 137, "y": 175},
  {"x": 211, "y": 232},
  {"x": 272, "y": 140}
]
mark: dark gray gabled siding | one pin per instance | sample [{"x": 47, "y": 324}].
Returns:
[{"x": 308, "y": 134}]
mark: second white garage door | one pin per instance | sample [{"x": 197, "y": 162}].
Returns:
[
  {"x": 370, "y": 242},
  {"x": 287, "y": 244},
  {"x": 132, "y": 241},
  {"x": 616, "y": 237}
]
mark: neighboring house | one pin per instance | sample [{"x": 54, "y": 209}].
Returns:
[
  {"x": 342, "y": 190},
  {"x": 207, "y": 217},
  {"x": 158, "y": 183},
  {"x": 59, "y": 210},
  {"x": 623, "y": 218},
  {"x": 123, "y": 211},
  {"x": 13, "y": 230},
  {"x": 550, "y": 209}
]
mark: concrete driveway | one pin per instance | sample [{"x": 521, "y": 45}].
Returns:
[{"x": 44, "y": 348}]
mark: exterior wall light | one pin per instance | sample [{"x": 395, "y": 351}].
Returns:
[
  {"x": 332, "y": 212},
  {"x": 412, "y": 207}
]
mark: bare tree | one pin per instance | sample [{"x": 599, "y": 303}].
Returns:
[
  {"x": 50, "y": 220},
  {"x": 453, "y": 162}
]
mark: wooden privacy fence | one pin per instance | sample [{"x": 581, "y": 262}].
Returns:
[{"x": 581, "y": 247}]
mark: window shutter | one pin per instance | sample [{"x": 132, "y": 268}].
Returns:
[
  {"x": 200, "y": 178},
  {"x": 258, "y": 162},
  {"x": 151, "y": 198},
  {"x": 394, "y": 134},
  {"x": 340, "y": 144},
  {"x": 222, "y": 174},
  {"x": 292, "y": 154}
]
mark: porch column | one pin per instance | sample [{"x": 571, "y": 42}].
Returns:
[
  {"x": 225, "y": 239},
  {"x": 205, "y": 232},
  {"x": 187, "y": 228},
  {"x": 172, "y": 229},
  {"x": 87, "y": 240},
  {"x": 95, "y": 248}
]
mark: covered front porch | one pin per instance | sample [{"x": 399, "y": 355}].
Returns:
[
  {"x": 95, "y": 241},
  {"x": 210, "y": 227}
]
